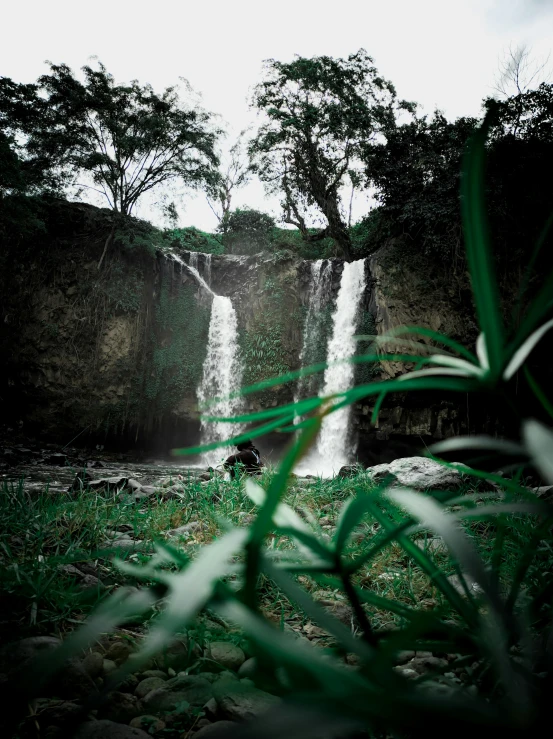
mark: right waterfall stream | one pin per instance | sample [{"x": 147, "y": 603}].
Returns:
[{"x": 334, "y": 446}]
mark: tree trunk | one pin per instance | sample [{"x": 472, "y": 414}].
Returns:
[{"x": 336, "y": 226}]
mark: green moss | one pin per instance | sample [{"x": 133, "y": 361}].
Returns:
[
  {"x": 264, "y": 350},
  {"x": 178, "y": 347}
]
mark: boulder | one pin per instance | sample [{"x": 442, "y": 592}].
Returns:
[
  {"x": 248, "y": 668},
  {"x": 238, "y": 702},
  {"x": 146, "y": 686},
  {"x": 108, "y": 730},
  {"x": 119, "y": 652},
  {"x": 226, "y": 654},
  {"x": 93, "y": 664},
  {"x": 350, "y": 470},
  {"x": 419, "y": 473},
  {"x": 121, "y": 707}
]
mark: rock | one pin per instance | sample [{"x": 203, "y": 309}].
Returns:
[
  {"x": 402, "y": 657},
  {"x": 119, "y": 652},
  {"x": 154, "y": 673},
  {"x": 121, "y": 707},
  {"x": 105, "y": 729},
  {"x": 225, "y": 675},
  {"x": 350, "y": 470},
  {"x": 216, "y": 730},
  {"x": 425, "y": 664},
  {"x": 109, "y": 483},
  {"x": 406, "y": 671},
  {"x": 95, "y": 464},
  {"x": 226, "y": 654},
  {"x": 146, "y": 686},
  {"x": 124, "y": 543},
  {"x": 133, "y": 484},
  {"x": 186, "y": 529},
  {"x": 248, "y": 668},
  {"x": 211, "y": 710},
  {"x": 108, "y": 666},
  {"x": 93, "y": 664},
  {"x": 178, "y": 655},
  {"x": 16, "y": 663},
  {"x": 86, "y": 579},
  {"x": 163, "y": 700},
  {"x": 193, "y": 683},
  {"x": 419, "y": 473},
  {"x": 238, "y": 702},
  {"x": 151, "y": 724},
  {"x": 128, "y": 685},
  {"x": 545, "y": 492},
  {"x": 148, "y": 490}
]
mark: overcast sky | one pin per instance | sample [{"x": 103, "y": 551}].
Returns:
[{"x": 439, "y": 53}]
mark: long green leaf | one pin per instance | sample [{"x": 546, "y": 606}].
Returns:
[{"x": 479, "y": 257}]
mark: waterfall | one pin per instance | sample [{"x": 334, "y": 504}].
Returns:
[
  {"x": 317, "y": 296},
  {"x": 222, "y": 372},
  {"x": 332, "y": 450},
  {"x": 222, "y": 376},
  {"x": 207, "y": 268}
]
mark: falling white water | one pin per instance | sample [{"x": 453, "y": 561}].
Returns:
[
  {"x": 222, "y": 371},
  {"x": 317, "y": 296},
  {"x": 332, "y": 450},
  {"x": 207, "y": 268},
  {"x": 194, "y": 271},
  {"x": 222, "y": 376}
]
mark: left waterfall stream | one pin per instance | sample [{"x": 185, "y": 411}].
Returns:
[{"x": 222, "y": 370}]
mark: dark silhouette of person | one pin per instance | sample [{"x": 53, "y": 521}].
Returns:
[{"x": 248, "y": 459}]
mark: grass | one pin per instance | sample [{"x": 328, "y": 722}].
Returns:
[{"x": 43, "y": 533}]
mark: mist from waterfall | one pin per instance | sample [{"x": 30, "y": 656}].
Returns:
[{"x": 334, "y": 447}]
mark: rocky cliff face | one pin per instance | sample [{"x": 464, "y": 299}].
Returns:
[{"x": 116, "y": 354}]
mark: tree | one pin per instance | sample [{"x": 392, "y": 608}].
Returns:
[
  {"x": 320, "y": 112},
  {"x": 519, "y": 72},
  {"x": 416, "y": 173},
  {"x": 248, "y": 231},
  {"x": 236, "y": 173},
  {"x": 126, "y": 139}
]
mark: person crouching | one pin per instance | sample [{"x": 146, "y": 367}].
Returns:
[{"x": 247, "y": 460}]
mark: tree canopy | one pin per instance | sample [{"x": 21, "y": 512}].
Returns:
[
  {"x": 126, "y": 138},
  {"x": 320, "y": 113}
]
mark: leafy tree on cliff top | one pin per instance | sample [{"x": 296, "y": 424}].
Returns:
[
  {"x": 319, "y": 113},
  {"x": 123, "y": 140}
]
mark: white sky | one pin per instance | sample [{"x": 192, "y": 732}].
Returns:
[{"x": 439, "y": 53}]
